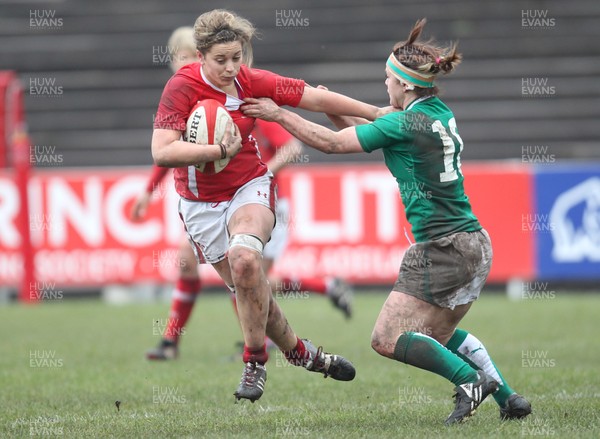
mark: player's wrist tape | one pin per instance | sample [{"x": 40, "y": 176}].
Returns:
[{"x": 223, "y": 151}]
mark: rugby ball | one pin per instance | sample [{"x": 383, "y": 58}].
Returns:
[{"x": 206, "y": 125}]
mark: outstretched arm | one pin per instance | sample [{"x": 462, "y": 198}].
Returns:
[
  {"x": 140, "y": 206},
  {"x": 314, "y": 135},
  {"x": 342, "y": 122},
  {"x": 322, "y": 100}
]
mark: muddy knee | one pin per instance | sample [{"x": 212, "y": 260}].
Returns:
[
  {"x": 382, "y": 342},
  {"x": 245, "y": 258}
]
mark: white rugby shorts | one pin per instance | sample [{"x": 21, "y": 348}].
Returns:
[
  {"x": 206, "y": 222},
  {"x": 279, "y": 236}
]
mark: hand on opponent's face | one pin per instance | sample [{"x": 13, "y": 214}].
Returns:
[{"x": 262, "y": 108}]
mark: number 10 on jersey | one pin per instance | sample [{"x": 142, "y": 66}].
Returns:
[{"x": 451, "y": 172}]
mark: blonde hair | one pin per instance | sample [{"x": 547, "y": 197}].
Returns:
[
  {"x": 223, "y": 26},
  {"x": 182, "y": 38},
  {"x": 426, "y": 57},
  {"x": 182, "y": 47}
]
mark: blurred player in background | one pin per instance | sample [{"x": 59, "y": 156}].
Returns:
[
  {"x": 277, "y": 149},
  {"x": 443, "y": 273},
  {"x": 182, "y": 51},
  {"x": 229, "y": 216}
]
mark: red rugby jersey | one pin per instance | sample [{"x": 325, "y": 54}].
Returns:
[
  {"x": 270, "y": 136},
  {"x": 188, "y": 86}
]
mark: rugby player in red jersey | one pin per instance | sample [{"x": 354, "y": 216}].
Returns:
[
  {"x": 229, "y": 216},
  {"x": 277, "y": 148}
]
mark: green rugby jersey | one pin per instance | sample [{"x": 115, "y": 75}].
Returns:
[{"x": 421, "y": 147}]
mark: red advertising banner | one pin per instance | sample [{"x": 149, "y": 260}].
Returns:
[
  {"x": 80, "y": 226},
  {"x": 501, "y": 195},
  {"x": 349, "y": 221},
  {"x": 345, "y": 220}
]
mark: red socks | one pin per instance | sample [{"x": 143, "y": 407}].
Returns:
[
  {"x": 312, "y": 284},
  {"x": 297, "y": 356},
  {"x": 259, "y": 355},
  {"x": 182, "y": 303}
]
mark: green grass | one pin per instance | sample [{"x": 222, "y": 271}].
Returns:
[{"x": 98, "y": 359}]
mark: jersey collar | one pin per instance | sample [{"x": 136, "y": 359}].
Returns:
[
  {"x": 232, "y": 103},
  {"x": 416, "y": 101}
]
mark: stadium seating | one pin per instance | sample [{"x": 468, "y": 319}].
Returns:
[{"x": 102, "y": 57}]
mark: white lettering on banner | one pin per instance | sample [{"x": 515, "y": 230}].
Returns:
[
  {"x": 363, "y": 261},
  {"x": 36, "y": 210},
  {"x": 11, "y": 267},
  {"x": 387, "y": 204},
  {"x": 85, "y": 216},
  {"x": 372, "y": 262},
  {"x": 140, "y": 234},
  {"x": 86, "y": 266},
  {"x": 9, "y": 207},
  {"x": 307, "y": 228},
  {"x": 300, "y": 261},
  {"x": 350, "y": 227},
  {"x": 352, "y": 207}
]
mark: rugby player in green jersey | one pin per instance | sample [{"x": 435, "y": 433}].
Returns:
[{"x": 442, "y": 274}]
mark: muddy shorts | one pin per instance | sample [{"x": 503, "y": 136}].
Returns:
[{"x": 448, "y": 271}]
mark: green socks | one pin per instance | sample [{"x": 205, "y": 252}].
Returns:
[
  {"x": 424, "y": 352},
  {"x": 471, "y": 350}
]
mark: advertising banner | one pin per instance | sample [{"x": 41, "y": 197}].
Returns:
[
  {"x": 567, "y": 222},
  {"x": 344, "y": 220},
  {"x": 349, "y": 221}
]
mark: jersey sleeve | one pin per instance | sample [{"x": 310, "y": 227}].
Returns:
[
  {"x": 174, "y": 105},
  {"x": 275, "y": 135},
  {"x": 383, "y": 132},
  {"x": 158, "y": 173},
  {"x": 282, "y": 90}
]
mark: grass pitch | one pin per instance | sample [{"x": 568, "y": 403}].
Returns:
[{"x": 63, "y": 366}]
